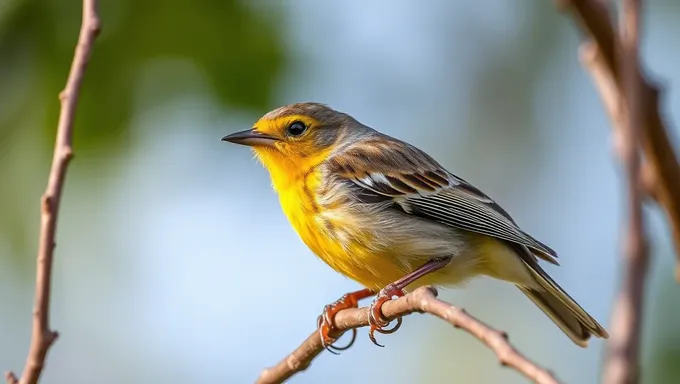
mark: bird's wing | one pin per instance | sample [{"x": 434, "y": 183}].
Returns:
[{"x": 388, "y": 169}]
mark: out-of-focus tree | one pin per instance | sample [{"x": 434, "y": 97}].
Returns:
[{"x": 235, "y": 46}]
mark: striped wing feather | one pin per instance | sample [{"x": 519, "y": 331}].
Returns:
[{"x": 420, "y": 186}]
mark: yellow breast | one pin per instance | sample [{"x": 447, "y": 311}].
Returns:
[
  {"x": 300, "y": 206},
  {"x": 335, "y": 236},
  {"x": 329, "y": 230}
]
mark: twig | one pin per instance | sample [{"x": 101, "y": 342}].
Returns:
[
  {"x": 661, "y": 171},
  {"x": 422, "y": 300},
  {"x": 621, "y": 364},
  {"x": 42, "y": 336},
  {"x": 623, "y": 101}
]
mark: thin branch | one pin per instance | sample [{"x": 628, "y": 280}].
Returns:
[
  {"x": 661, "y": 171},
  {"x": 43, "y": 336},
  {"x": 622, "y": 362},
  {"x": 626, "y": 112},
  {"x": 593, "y": 60},
  {"x": 423, "y": 300}
]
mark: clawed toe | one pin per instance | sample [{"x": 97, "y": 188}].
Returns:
[
  {"x": 326, "y": 325},
  {"x": 376, "y": 320}
]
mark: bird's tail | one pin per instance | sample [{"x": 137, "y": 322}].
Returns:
[{"x": 564, "y": 311}]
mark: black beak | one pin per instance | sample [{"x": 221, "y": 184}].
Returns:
[{"x": 251, "y": 138}]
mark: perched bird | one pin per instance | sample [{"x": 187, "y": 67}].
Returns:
[{"x": 387, "y": 215}]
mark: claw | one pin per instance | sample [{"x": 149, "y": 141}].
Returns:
[
  {"x": 325, "y": 322},
  {"x": 325, "y": 328},
  {"x": 375, "y": 316}
]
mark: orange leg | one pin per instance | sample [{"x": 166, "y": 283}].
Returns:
[
  {"x": 325, "y": 321},
  {"x": 376, "y": 318}
]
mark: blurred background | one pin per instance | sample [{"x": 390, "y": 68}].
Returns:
[{"x": 159, "y": 274}]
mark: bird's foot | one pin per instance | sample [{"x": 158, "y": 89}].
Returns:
[
  {"x": 325, "y": 322},
  {"x": 376, "y": 320}
]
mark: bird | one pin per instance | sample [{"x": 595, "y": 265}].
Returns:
[{"x": 387, "y": 215}]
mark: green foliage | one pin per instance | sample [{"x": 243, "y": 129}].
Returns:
[{"x": 236, "y": 47}]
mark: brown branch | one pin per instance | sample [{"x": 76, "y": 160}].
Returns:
[
  {"x": 624, "y": 99},
  {"x": 621, "y": 364},
  {"x": 423, "y": 300},
  {"x": 593, "y": 60},
  {"x": 661, "y": 171},
  {"x": 43, "y": 336}
]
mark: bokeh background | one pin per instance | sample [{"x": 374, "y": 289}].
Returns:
[{"x": 160, "y": 273}]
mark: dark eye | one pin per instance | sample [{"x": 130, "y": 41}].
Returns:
[{"x": 296, "y": 128}]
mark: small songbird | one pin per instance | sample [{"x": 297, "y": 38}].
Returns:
[{"x": 387, "y": 215}]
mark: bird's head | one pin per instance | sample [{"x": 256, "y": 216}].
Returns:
[{"x": 294, "y": 138}]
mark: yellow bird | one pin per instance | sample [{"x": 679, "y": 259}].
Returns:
[{"x": 387, "y": 215}]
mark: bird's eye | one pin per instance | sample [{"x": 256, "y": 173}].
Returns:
[{"x": 296, "y": 128}]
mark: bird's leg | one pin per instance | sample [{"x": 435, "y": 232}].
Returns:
[
  {"x": 375, "y": 317},
  {"x": 325, "y": 321}
]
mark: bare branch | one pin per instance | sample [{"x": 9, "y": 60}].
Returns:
[
  {"x": 661, "y": 171},
  {"x": 624, "y": 100},
  {"x": 42, "y": 336},
  {"x": 622, "y": 363},
  {"x": 423, "y": 300}
]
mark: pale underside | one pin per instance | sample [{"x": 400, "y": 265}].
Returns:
[{"x": 377, "y": 245}]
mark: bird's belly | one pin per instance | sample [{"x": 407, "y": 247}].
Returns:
[
  {"x": 349, "y": 252},
  {"x": 375, "y": 250}
]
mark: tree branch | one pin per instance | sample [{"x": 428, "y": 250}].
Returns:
[
  {"x": 632, "y": 106},
  {"x": 661, "y": 171},
  {"x": 621, "y": 365},
  {"x": 423, "y": 300},
  {"x": 42, "y": 336}
]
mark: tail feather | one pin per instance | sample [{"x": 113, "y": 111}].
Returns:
[{"x": 564, "y": 311}]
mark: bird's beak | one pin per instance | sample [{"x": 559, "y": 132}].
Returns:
[{"x": 252, "y": 138}]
